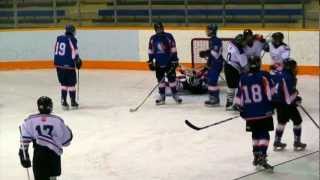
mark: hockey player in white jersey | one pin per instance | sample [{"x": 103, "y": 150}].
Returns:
[
  {"x": 279, "y": 51},
  {"x": 255, "y": 43},
  {"x": 49, "y": 134},
  {"x": 236, "y": 64}
]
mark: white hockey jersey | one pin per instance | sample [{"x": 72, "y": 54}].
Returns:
[
  {"x": 46, "y": 130},
  {"x": 280, "y": 54},
  {"x": 255, "y": 49},
  {"x": 236, "y": 57}
]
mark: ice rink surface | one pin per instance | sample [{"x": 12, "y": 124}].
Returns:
[{"x": 151, "y": 144}]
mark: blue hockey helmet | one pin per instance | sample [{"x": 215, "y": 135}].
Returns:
[
  {"x": 158, "y": 27},
  {"x": 212, "y": 29},
  {"x": 70, "y": 29}
]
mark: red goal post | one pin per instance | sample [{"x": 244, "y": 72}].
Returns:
[{"x": 200, "y": 44}]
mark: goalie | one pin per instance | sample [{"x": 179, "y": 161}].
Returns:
[{"x": 214, "y": 65}]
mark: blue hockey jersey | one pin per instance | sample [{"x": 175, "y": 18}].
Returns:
[
  {"x": 65, "y": 51},
  {"x": 162, "y": 48},
  {"x": 285, "y": 86},
  {"x": 215, "y": 47},
  {"x": 254, "y": 95}
]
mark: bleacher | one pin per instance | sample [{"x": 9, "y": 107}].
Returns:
[{"x": 141, "y": 12}]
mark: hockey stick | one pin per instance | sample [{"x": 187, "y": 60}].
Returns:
[
  {"x": 205, "y": 127},
  {"x": 145, "y": 99},
  {"x": 305, "y": 111},
  {"x": 78, "y": 84},
  {"x": 149, "y": 94},
  {"x": 24, "y": 153},
  {"x": 290, "y": 160}
]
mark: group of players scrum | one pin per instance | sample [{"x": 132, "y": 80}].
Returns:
[{"x": 251, "y": 91}]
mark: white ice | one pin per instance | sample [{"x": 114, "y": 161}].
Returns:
[{"x": 151, "y": 144}]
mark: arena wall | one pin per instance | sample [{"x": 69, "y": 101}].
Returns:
[{"x": 126, "y": 48}]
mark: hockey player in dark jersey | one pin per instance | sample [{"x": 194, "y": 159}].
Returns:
[
  {"x": 162, "y": 48},
  {"x": 286, "y": 100},
  {"x": 66, "y": 60},
  {"x": 253, "y": 99},
  {"x": 214, "y": 64},
  {"x": 48, "y": 134}
]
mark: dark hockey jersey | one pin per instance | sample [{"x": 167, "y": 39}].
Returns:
[
  {"x": 215, "y": 47},
  {"x": 65, "y": 51},
  {"x": 162, "y": 48},
  {"x": 285, "y": 86},
  {"x": 254, "y": 96}
]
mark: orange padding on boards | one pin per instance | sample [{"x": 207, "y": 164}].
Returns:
[{"x": 124, "y": 65}]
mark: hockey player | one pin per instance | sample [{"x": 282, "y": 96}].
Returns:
[
  {"x": 279, "y": 51},
  {"x": 66, "y": 60},
  {"x": 214, "y": 64},
  {"x": 235, "y": 65},
  {"x": 48, "y": 133},
  {"x": 254, "y": 102},
  {"x": 255, "y": 43},
  {"x": 162, "y": 48},
  {"x": 286, "y": 100}
]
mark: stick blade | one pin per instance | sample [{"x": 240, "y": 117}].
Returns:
[
  {"x": 132, "y": 110},
  {"x": 192, "y": 126}
]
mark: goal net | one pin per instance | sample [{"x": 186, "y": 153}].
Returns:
[{"x": 200, "y": 44}]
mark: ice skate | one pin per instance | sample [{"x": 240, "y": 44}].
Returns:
[
  {"x": 177, "y": 99},
  {"x": 161, "y": 100},
  {"x": 65, "y": 105},
  {"x": 212, "y": 102},
  {"x": 263, "y": 162},
  {"x": 279, "y": 146},
  {"x": 299, "y": 146},
  {"x": 255, "y": 159},
  {"x": 74, "y": 105}
]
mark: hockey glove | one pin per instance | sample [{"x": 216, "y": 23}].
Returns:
[
  {"x": 25, "y": 161},
  {"x": 204, "y": 54},
  {"x": 78, "y": 63},
  {"x": 298, "y": 101},
  {"x": 174, "y": 65},
  {"x": 151, "y": 65}
]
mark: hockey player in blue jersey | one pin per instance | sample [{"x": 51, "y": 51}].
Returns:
[
  {"x": 214, "y": 64},
  {"x": 66, "y": 60},
  {"x": 253, "y": 99},
  {"x": 162, "y": 48},
  {"x": 286, "y": 100}
]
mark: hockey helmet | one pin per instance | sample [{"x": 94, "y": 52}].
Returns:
[
  {"x": 248, "y": 36},
  {"x": 277, "y": 38},
  {"x": 158, "y": 27},
  {"x": 247, "y": 32},
  {"x": 44, "y": 105},
  {"x": 70, "y": 29},
  {"x": 212, "y": 30},
  {"x": 239, "y": 40},
  {"x": 291, "y": 66},
  {"x": 254, "y": 63}
]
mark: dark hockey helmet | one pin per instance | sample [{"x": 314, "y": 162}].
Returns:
[
  {"x": 247, "y": 32},
  {"x": 291, "y": 66},
  {"x": 239, "y": 40},
  {"x": 248, "y": 36},
  {"x": 212, "y": 30},
  {"x": 277, "y": 38},
  {"x": 254, "y": 63},
  {"x": 158, "y": 27},
  {"x": 44, "y": 105},
  {"x": 70, "y": 29}
]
